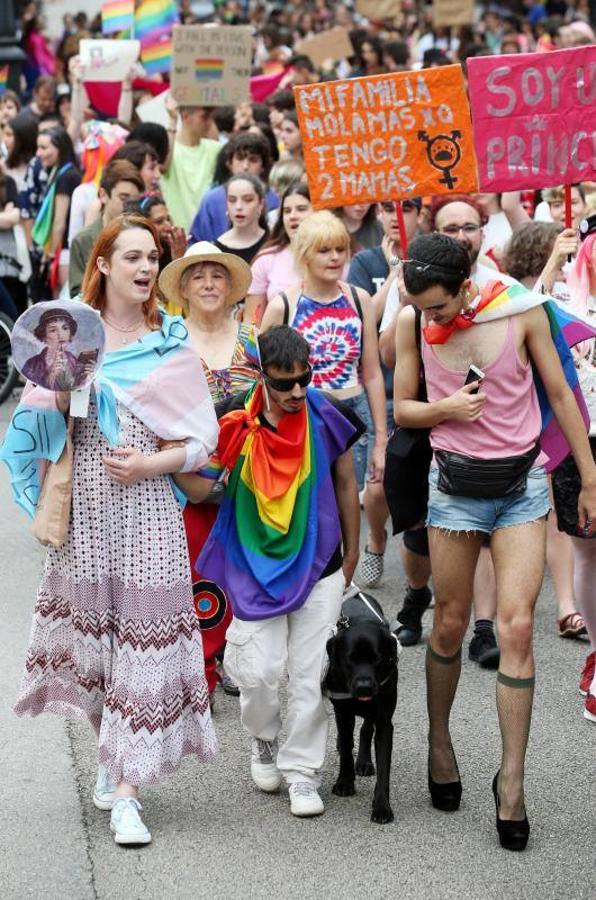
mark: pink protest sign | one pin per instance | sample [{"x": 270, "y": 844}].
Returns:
[{"x": 533, "y": 118}]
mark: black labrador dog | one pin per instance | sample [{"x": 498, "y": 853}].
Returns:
[{"x": 362, "y": 681}]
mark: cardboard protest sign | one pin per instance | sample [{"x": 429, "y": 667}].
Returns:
[
  {"x": 107, "y": 60},
  {"x": 211, "y": 65},
  {"x": 58, "y": 345},
  {"x": 453, "y": 12},
  {"x": 394, "y": 136},
  {"x": 533, "y": 117},
  {"x": 334, "y": 44},
  {"x": 379, "y": 9}
]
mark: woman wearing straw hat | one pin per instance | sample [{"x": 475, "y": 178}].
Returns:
[{"x": 206, "y": 283}]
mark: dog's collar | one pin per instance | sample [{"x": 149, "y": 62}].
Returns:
[{"x": 354, "y": 591}]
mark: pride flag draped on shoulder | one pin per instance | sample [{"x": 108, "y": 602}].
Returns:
[
  {"x": 497, "y": 301},
  {"x": 278, "y": 525}
]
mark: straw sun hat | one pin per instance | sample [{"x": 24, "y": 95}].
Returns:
[{"x": 202, "y": 252}]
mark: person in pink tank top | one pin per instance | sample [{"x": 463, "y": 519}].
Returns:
[{"x": 487, "y": 478}]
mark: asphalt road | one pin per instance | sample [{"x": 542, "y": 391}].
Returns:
[{"x": 215, "y": 835}]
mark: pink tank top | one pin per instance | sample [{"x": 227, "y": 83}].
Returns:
[{"x": 510, "y": 422}]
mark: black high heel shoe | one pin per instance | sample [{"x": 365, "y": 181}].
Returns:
[
  {"x": 513, "y": 835},
  {"x": 445, "y": 797}
]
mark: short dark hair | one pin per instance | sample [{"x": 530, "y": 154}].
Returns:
[
  {"x": 282, "y": 101},
  {"x": 302, "y": 61},
  {"x": 436, "y": 259},
  {"x": 155, "y": 135},
  {"x": 118, "y": 170},
  {"x": 398, "y": 51},
  {"x": 283, "y": 347},
  {"x": 135, "y": 152}
]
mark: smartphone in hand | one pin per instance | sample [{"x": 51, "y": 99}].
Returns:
[{"x": 474, "y": 374}]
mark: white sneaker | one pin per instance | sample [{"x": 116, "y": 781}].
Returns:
[
  {"x": 263, "y": 768},
  {"x": 305, "y": 800},
  {"x": 103, "y": 794},
  {"x": 126, "y": 823}
]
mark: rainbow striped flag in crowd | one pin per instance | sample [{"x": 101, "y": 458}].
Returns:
[
  {"x": 117, "y": 16},
  {"x": 154, "y": 20},
  {"x": 3, "y": 78},
  {"x": 278, "y": 524}
]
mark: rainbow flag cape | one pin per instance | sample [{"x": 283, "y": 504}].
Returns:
[
  {"x": 117, "y": 16},
  {"x": 497, "y": 301},
  {"x": 278, "y": 525},
  {"x": 3, "y": 78},
  {"x": 159, "y": 379}
]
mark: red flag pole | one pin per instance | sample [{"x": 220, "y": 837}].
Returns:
[
  {"x": 567, "y": 206},
  {"x": 402, "y": 229}
]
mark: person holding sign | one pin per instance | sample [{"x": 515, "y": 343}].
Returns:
[{"x": 487, "y": 356}]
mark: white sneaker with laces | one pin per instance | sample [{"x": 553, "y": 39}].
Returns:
[
  {"x": 305, "y": 800},
  {"x": 126, "y": 823},
  {"x": 263, "y": 768},
  {"x": 103, "y": 794}
]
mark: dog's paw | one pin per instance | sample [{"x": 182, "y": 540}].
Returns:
[
  {"x": 382, "y": 815},
  {"x": 364, "y": 768},
  {"x": 343, "y": 788}
]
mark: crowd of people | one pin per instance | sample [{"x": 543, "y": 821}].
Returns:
[{"x": 259, "y": 354}]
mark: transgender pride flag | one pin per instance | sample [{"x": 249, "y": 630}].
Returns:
[{"x": 154, "y": 20}]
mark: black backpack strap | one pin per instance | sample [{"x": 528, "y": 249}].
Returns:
[
  {"x": 418, "y": 329},
  {"x": 286, "y": 303},
  {"x": 356, "y": 300}
]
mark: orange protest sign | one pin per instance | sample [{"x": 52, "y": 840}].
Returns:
[{"x": 394, "y": 136}]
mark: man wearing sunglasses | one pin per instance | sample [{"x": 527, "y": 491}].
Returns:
[{"x": 283, "y": 548}]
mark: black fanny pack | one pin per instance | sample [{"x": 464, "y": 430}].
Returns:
[{"x": 484, "y": 478}]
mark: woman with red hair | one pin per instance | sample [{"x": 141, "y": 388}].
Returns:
[{"x": 115, "y": 638}]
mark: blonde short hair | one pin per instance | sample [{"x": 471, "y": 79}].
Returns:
[
  {"x": 284, "y": 173},
  {"x": 318, "y": 229}
]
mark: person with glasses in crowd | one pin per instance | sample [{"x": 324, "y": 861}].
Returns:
[{"x": 283, "y": 548}]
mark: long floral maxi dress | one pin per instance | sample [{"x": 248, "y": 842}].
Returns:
[{"x": 115, "y": 638}]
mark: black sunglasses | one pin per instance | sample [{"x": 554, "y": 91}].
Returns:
[{"x": 286, "y": 384}]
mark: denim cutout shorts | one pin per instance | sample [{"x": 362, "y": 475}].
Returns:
[
  {"x": 362, "y": 449},
  {"x": 454, "y": 513}
]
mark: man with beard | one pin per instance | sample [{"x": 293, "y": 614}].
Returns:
[{"x": 460, "y": 217}]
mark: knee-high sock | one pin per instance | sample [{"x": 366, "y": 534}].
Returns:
[
  {"x": 442, "y": 677},
  {"x": 514, "y": 707}
]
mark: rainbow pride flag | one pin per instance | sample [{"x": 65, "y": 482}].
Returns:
[
  {"x": 278, "y": 525},
  {"x": 209, "y": 69},
  {"x": 154, "y": 15},
  {"x": 154, "y": 20},
  {"x": 156, "y": 56},
  {"x": 3, "y": 78},
  {"x": 117, "y": 16}
]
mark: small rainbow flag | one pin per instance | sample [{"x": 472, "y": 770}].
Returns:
[
  {"x": 117, "y": 15},
  {"x": 3, "y": 78},
  {"x": 156, "y": 56},
  {"x": 208, "y": 69},
  {"x": 154, "y": 15}
]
